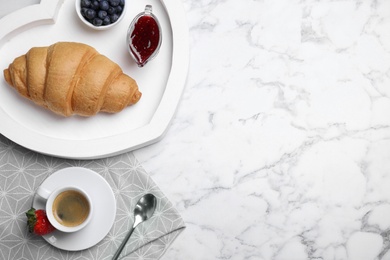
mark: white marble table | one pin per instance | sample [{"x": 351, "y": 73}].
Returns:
[{"x": 280, "y": 148}]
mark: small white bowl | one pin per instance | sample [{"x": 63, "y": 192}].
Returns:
[{"x": 102, "y": 27}]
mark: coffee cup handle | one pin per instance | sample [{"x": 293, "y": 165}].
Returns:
[{"x": 43, "y": 193}]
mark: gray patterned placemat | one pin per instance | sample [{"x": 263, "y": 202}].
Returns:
[{"x": 22, "y": 171}]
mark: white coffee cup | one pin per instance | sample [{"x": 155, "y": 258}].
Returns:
[{"x": 68, "y": 209}]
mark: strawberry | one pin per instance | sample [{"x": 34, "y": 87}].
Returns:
[{"x": 38, "y": 223}]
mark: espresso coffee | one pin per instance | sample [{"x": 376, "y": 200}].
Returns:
[{"x": 70, "y": 208}]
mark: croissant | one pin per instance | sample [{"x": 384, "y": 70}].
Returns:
[{"x": 71, "y": 78}]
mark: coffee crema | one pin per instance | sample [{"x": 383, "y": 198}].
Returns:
[{"x": 71, "y": 208}]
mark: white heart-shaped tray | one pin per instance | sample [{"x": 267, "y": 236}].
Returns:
[{"x": 161, "y": 81}]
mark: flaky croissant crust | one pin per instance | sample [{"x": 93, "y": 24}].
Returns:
[{"x": 72, "y": 78}]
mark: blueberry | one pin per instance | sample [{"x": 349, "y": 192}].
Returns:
[
  {"x": 118, "y": 9},
  {"x": 122, "y": 3},
  {"x": 97, "y": 21},
  {"x": 114, "y": 3},
  {"x": 83, "y": 11},
  {"x": 106, "y": 20},
  {"x": 85, "y": 3},
  {"x": 90, "y": 14},
  {"x": 102, "y": 14},
  {"x": 95, "y": 5},
  {"x": 111, "y": 10},
  {"x": 104, "y": 5},
  {"x": 114, "y": 18}
]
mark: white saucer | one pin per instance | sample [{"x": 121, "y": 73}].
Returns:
[{"x": 104, "y": 208}]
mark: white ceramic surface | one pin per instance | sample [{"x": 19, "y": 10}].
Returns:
[
  {"x": 102, "y": 198},
  {"x": 18, "y": 16},
  {"x": 161, "y": 82}
]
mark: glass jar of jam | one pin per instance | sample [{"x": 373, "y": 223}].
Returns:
[{"x": 144, "y": 37}]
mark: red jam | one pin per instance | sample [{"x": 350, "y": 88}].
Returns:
[{"x": 145, "y": 39}]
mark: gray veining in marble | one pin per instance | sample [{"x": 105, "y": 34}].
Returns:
[{"x": 283, "y": 133}]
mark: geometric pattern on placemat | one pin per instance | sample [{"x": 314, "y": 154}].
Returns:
[{"x": 22, "y": 171}]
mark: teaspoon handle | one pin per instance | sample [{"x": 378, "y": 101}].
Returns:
[{"x": 119, "y": 250}]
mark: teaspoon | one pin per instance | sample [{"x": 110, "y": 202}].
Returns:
[{"x": 143, "y": 211}]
